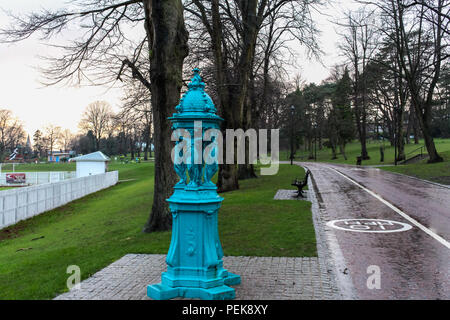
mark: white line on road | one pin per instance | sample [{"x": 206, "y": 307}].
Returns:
[{"x": 400, "y": 212}]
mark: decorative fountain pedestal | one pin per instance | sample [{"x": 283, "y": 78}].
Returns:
[{"x": 194, "y": 261}]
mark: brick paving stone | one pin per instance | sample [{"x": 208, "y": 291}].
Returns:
[
  {"x": 262, "y": 278},
  {"x": 283, "y": 194}
]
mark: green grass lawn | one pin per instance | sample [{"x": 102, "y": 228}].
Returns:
[
  {"x": 31, "y": 167},
  {"x": 437, "y": 172},
  {"x": 94, "y": 231},
  {"x": 353, "y": 150}
]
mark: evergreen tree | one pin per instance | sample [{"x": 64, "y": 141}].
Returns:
[{"x": 342, "y": 113}]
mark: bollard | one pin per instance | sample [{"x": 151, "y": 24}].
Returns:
[{"x": 194, "y": 261}]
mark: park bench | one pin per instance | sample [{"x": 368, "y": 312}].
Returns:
[{"x": 301, "y": 184}]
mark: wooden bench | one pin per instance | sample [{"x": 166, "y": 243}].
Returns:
[{"x": 301, "y": 184}]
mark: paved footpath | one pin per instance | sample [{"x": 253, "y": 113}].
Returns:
[
  {"x": 265, "y": 278},
  {"x": 409, "y": 264}
]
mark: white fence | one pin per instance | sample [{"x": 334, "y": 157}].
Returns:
[
  {"x": 23, "y": 203},
  {"x": 32, "y": 178}
]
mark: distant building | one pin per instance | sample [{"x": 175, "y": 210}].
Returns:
[
  {"x": 142, "y": 145},
  {"x": 92, "y": 163},
  {"x": 28, "y": 145},
  {"x": 60, "y": 156}
]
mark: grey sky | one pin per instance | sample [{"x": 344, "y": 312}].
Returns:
[{"x": 36, "y": 106}]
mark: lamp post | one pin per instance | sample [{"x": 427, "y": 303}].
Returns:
[
  {"x": 395, "y": 135},
  {"x": 194, "y": 261},
  {"x": 315, "y": 142},
  {"x": 292, "y": 134}
]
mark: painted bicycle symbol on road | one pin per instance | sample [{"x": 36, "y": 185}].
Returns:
[{"x": 369, "y": 225}]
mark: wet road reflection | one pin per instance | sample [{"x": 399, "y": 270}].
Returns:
[{"x": 413, "y": 264}]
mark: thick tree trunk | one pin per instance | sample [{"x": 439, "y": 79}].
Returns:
[
  {"x": 342, "y": 149},
  {"x": 232, "y": 98},
  {"x": 168, "y": 42},
  {"x": 228, "y": 177},
  {"x": 146, "y": 151},
  {"x": 246, "y": 171},
  {"x": 424, "y": 123},
  {"x": 333, "y": 150}
]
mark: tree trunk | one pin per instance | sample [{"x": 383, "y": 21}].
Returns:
[
  {"x": 424, "y": 123},
  {"x": 310, "y": 148},
  {"x": 232, "y": 98},
  {"x": 247, "y": 170},
  {"x": 132, "y": 145},
  {"x": 415, "y": 127},
  {"x": 167, "y": 38},
  {"x": 409, "y": 127},
  {"x": 342, "y": 149},
  {"x": 333, "y": 150},
  {"x": 363, "y": 135},
  {"x": 399, "y": 136},
  {"x": 146, "y": 152},
  {"x": 147, "y": 141},
  {"x": 228, "y": 177}
]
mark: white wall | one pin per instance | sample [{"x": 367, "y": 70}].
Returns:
[
  {"x": 33, "y": 178},
  {"x": 87, "y": 168},
  {"x": 23, "y": 203}
]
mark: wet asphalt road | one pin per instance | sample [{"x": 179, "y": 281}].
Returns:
[{"x": 413, "y": 264}]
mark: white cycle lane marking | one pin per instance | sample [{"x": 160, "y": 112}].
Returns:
[
  {"x": 369, "y": 225},
  {"x": 397, "y": 210}
]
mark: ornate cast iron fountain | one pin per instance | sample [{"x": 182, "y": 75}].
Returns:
[{"x": 194, "y": 261}]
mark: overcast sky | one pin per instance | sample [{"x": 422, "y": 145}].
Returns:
[{"x": 37, "y": 106}]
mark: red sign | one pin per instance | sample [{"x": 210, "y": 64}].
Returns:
[{"x": 15, "y": 178}]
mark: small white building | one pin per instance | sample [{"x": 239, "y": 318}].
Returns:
[{"x": 92, "y": 163}]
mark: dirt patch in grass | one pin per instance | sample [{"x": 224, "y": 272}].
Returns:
[{"x": 11, "y": 232}]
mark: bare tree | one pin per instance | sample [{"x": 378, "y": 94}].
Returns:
[
  {"x": 52, "y": 136},
  {"x": 11, "y": 132},
  {"x": 137, "y": 103},
  {"x": 66, "y": 139},
  {"x": 97, "y": 56},
  {"x": 387, "y": 90},
  {"x": 97, "y": 118},
  {"x": 418, "y": 29},
  {"x": 360, "y": 39},
  {"x": 226, "y": 32}
]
